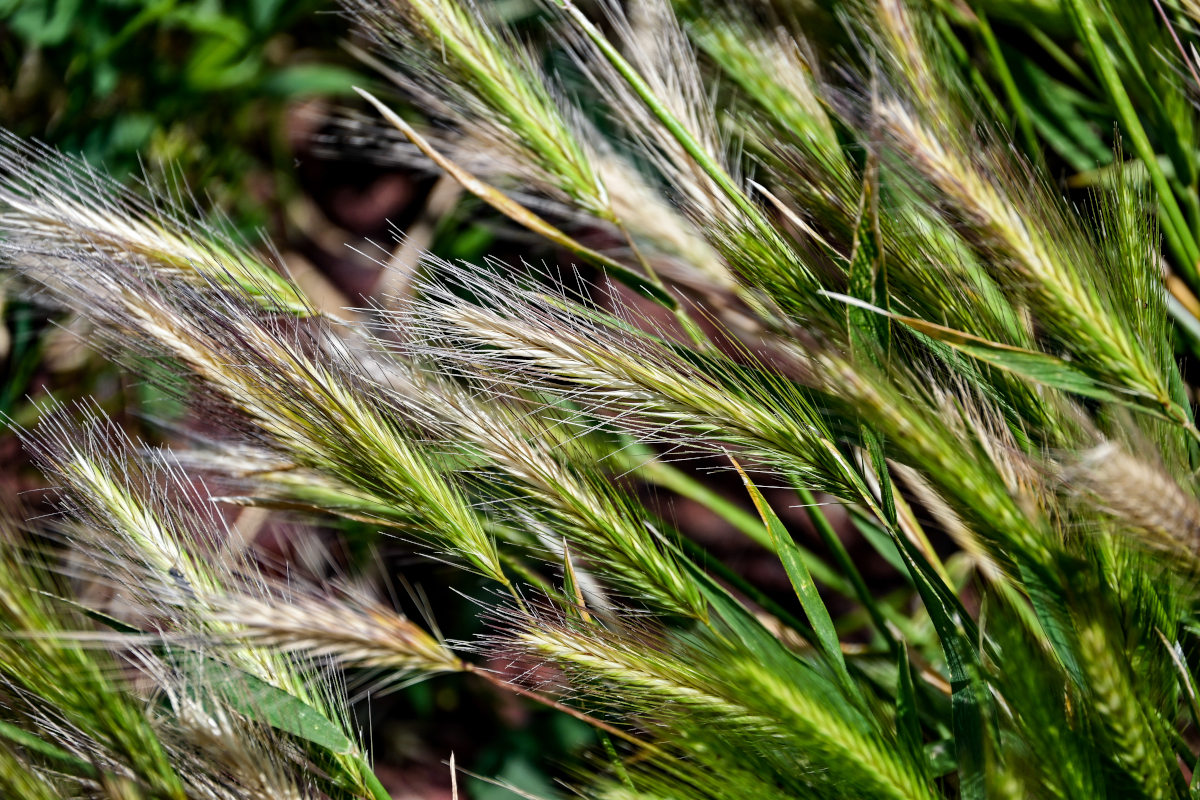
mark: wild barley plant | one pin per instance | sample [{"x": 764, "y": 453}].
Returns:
[{"x": 823, "y": 267}]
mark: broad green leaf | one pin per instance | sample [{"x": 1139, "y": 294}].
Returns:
[{"x": 285, "y": 712}]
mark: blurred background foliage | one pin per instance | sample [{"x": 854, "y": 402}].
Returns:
[
  {"x": 202, "y": 86},
  {"x": 210, "y": 97}
]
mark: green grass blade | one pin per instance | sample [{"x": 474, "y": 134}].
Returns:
[
  {"x": 1175, "y": 228},
  {"x": 39, "y": 746},
  {"x": 1017, "y": 100},
  {"x": 862, "y": 592},
  {"x": 281, "y": 710},
  {"x": 1032, "y": 365},
  {"x": 908, "y": 723},
  {"x": 802, "y": 582},
  {"x": 703, "y": 159}
]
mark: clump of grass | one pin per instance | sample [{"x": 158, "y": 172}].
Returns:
[{"x": 899, "y": 310}]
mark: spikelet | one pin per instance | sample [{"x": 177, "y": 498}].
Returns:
[
  {"x": 454, "y": 60},
  {"x": 146, "y": 541},
  {"x": 1141, "y": 497},
  {"x": 1023, "y": 226},
  {"x": 52, "y": 206},
  {"x": 346, "y": 632},
  {"x": 656, "y": 94},
  {"x": 221, "y": 753},
  {"x": 737, "y": 698},
  {"x": 652, "y": 392},
  {"x": 633, "y": 379},
  {"x": 57, "y": 691},
  {"x": 546, "y": 464},
  {"x": 993, "y": 331},
  {"x": 1117, "y": 707},
  {"x": 317, "y": 412}
]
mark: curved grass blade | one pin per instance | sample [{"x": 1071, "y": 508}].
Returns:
[
  {"x": 39, "y": 746},
  {"x": 1032, "y": 365},
  {"x": 802, "y": 582}
]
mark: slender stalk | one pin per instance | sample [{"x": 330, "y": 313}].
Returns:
[
  {"x": 1015, "y": 99},
  {"x": 842, "y": 558},
  {"x": 372, "y": 781}
]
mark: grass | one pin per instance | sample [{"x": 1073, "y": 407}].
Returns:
[{"x": 844, "y": 263}]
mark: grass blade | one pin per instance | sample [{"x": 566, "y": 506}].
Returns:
[{"x": 802, "y": 582}]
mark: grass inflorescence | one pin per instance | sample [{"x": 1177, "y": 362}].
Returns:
[{"x": 827, "y": 252}]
